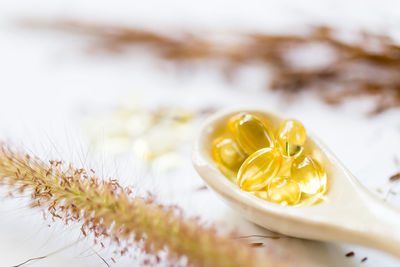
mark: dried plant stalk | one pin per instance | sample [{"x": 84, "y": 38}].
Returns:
[
  {"x": 369, "y": 66},
  {"x": 109, "y": 210}
]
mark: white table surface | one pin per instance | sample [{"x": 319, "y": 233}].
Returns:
[{"x": 48, "y": 85}]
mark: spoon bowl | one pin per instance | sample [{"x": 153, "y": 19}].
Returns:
[{"x": 349, "y": 214}]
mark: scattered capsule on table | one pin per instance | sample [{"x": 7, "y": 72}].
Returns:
[
  {"x": 284, "y": 191},
  {"x": 250, "y": 132},
  {"x": 309, "y": 174},
  {"x": 259, "y": 168},
  {"x": 291, "y": 137},
  {"x": 229, "y": 157}
]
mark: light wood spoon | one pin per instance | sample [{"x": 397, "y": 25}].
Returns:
[{"x": 350, "y": 214}]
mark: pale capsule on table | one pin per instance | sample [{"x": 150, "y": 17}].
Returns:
[
  {"x": 184, "y": 131},
  {"x": 108, "y": 134},
  {"x": 259, "y": 168},
  {"x": 106, "y": 126},
  {"x": 250, "y": 132},
  {"x": 155, "y": 142},
  {"x": 138, "y": 123},
  {"x": 228, "y": 156},
  {"x": 174, "y": 113},
  {"x": 309, "y": 174},
  {"x": 291, "y": 137},
  {"x": 284, "y": 191}
]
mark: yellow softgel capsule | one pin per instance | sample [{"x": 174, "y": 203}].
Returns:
[
  {"x": 259, "y": 168},
  {"x": 250, "y": 132},
  {"x": 291, "y": 137},
  {"x": 229, "y": 157},
  {"x": 309, "y": 174},
  {"x": 284, "y": 191},
  {"x": 263, "y": 194}
]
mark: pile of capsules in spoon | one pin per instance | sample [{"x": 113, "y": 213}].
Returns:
[{"x": 273, "y": 167}]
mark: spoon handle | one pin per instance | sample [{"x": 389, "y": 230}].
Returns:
[{"x": 378, "y": 227}]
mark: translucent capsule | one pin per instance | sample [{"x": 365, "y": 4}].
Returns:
[
  {"x": 309, "y": 174},
  {"x": 263, "y": 194},
  {"x": 284, "y": 191},
  {"x": 229, "y": 157},
  {"x": 259, "y": 168},
  {"x": 291, "y": 137},
  {"x": 158, "y": 140},
  {"x": 250, "y": 132},
  {"x": 285, "y": 167}
]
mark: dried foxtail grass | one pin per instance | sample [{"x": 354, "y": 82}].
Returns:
[{"x": 109, "y": 210}]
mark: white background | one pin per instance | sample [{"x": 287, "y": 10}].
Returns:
[{"x": 48, "y": 84}]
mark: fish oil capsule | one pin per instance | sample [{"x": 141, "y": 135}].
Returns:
[
  {"x": 309, "y": 174},
  {"x": 291, "y": 137},
  {"x": 285, "y": 167},
  {"x": 229, "y": 157},
  {"x": 263, "y": 194},
  {"x": 250, "y": 132},
  {"x": 259, "y": 168},
  {"x": 284, "y": 191}
]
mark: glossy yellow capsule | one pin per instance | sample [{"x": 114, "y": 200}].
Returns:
[
  {"x": 259, "y": 168},
  {"x": 228, "y": 156},
  {"x": 250, "y": 132},
  {"x": 284, "y": 191},
  {"x": 309, "y": 174},
  {"x": 291, "y": 137},
  {"x": 285, "y": 166},
  {"x": 263, "y": 194}
]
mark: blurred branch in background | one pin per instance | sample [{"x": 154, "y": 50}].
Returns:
[{"x": 320, "y": 60}]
